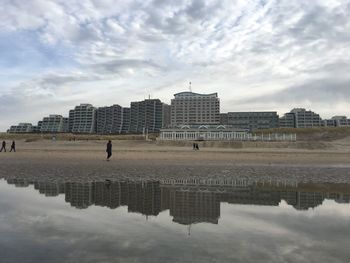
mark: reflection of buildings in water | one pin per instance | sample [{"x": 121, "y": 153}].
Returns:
[
  {"x": 79, "y": 195},
  {"x": 144, "y": 198},
  {"x": 140, "y": 197},
  {"x": 108, "y": 195},
  {"x": 188, "y": 207},
  {"x": 49, "y": 189},
  {"x": 251, "y": 196},
  {"x": 18, "y": 182},
  {"x": 187, "y": 203},
  {"x": 343, "y": 198}
]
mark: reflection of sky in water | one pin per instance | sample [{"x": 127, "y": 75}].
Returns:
[{"x": 35, "y": 228}]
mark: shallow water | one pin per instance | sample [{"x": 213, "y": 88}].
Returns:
[{"x": 168, "y": 221}]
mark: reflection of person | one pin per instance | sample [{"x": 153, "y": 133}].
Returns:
[
  {"x": 109, "y": 150},
  {"x": 3, "y": 146},
  {"x": 13, "y": 146}
]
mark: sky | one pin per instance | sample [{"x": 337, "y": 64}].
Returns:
[{"x": 259, "y": 55}]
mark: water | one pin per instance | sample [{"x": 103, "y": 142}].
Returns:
[{"x": 160, "y": 221}]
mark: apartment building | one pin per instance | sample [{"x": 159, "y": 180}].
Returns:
[
  {"x": 21, "y": 128},
  {"x": 125, "y": 120},
  {"x": 54, "y": 124},
  {"x": 253, "y": 120},
  {"x": 287, "y": 120},
  {"x": 300, "y": 118},
  {"x": 337, "y": 121},
  {"x": 83, "y": 119},
  {"x": 146, "y": 116},
  {"x": 109, "y": 120}
]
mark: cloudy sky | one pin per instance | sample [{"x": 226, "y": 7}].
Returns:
[{"x": 258, "y": 55}]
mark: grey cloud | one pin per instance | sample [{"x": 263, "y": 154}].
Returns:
[
  {"x": 243, "y": 44},
  {"x": 117, "y": 66},
  {"x": 315, "y": 91}
]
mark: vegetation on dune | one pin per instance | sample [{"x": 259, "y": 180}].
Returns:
[
  {"x": 313, "y": 134},
  {"x": 30, "y": 137},
  {"x": 303, "y": 134}
]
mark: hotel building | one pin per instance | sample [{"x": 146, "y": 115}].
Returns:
[{"x": 188, "y": 108}]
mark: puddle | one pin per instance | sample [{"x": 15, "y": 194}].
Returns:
[{"x": 173, "y": 221}]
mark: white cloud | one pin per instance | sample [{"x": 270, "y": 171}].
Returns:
[{"x": 238, "y": 48}]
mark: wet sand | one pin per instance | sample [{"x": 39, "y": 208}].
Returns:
[{"x": 81, "y": 160}]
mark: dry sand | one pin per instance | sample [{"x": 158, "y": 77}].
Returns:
[{"x": 85, "y": 160}]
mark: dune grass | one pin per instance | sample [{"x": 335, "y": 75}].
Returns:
[
  {"x": 30, "y": 137},
  {"x": 313, "y": 134}
]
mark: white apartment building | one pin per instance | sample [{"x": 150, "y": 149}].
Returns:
[
  {"x": 21, "y": 128},
  {"x": 83, "y": 119},
  {"x": 54, "y": 124}
]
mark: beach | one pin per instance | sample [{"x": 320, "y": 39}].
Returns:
[{"x": 85, "y": 160}]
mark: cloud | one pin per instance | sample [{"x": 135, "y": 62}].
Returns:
[
  {"x": 318, "y": 91},
  {"x": 242, "y": 49}
]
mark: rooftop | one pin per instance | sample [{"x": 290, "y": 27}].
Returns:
[{"x": 192, "y": 94}]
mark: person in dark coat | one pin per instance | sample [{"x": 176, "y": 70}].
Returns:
[
  {"x": 13, "y": 146},
  {"x": 109, "y": 150},
  {"x": 3, "y": 147}
]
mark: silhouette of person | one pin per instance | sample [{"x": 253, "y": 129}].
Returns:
[
  {"x": 109, "y": 150},
  {"x": 197, "y": 146},
  {"x": 3, "y": 147},
  {"x": 194, "y": 146},
  {"x": 13, "y": 146}
]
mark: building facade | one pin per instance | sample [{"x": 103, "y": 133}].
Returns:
[
  {"x": 300, "y": 118},
  {"x": 125, "y": 121},
  {"x": 287, "y": 121},
  {"x": 223, "y": 118},
  {"x": 218, "y": 133},
  {"x": 109, "y": 120},
  {"x": 21, "y": 128},
  {"x": 71, "y": 120},
  {"x": 337, "y": 121},
  {"x": 166, "y": 115},
  {"x": 37, "y": 128},
  {"x": 188, "y": 108},
  {"x": 146, "y": 116},
  {"x": 83, "y": 119},
  {"x": 306, "y": 119},
  {"x": 203, "y": 132},
  {"x": 54, "y": 124},
  {"x": 253, "y": 120}
]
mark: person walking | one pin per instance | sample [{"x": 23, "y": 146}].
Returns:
[
  {"x": 197, "y": 146},
  {"x": 13, "y": 146},
  {"x": 109, "y": 150},
  {"x": 3, "y": 146}
]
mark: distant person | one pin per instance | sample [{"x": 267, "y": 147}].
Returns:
[
  {"x": 194, "y": 146},
  {"x": 109, "y": 150},
  {"x": 197, "y": 146},
  {"x": 3, "y": 146},
  {"x": 13, "y": 146}
]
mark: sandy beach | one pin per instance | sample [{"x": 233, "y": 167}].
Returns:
[{"x": 85, "y": 160}]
